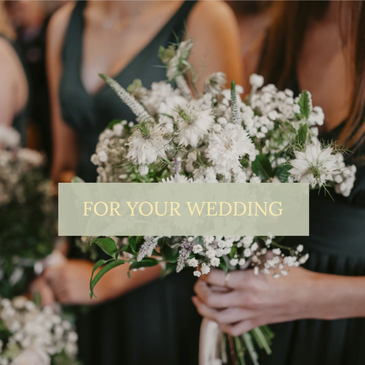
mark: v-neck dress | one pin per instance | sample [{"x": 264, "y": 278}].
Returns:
[
  {"x": 336, "y": 245},
  {"x": 156, "y": 324}
]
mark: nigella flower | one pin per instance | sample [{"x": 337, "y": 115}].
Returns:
[
  {"x": 314, "y": 166},
  {"x": 229, "y": 146},
  {"x": 150, "y": 243},
  {"x": 184, "y": 254},
  {"x": 146, "y": 144},
  {"x": 214, "y": 83},
  {"x": 193, "y": 124},
  {"x": 177, "y": 178}
]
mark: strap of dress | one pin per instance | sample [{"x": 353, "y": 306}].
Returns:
[{"x": 72, "y": 45}]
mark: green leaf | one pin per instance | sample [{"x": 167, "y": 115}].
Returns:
[
  {"x": 305, "y": 104},
  {"x": 170, "y": 254},
  {"x": 96, "y": 266},
  {"x": 301, "y": 137},
  {"x": 262, "y": 167},
  {"x": 133, "y": 243},
  {"x": 169, "y": 269},
  {"x": 109, "y": 266},
  {"x": 113, "y": 122},
  {"x": 282, "y": 173},
  {"x": 77, "y": 179},
  {"x": 147, "y": 262},
  {"x": 108, "y": 245}
]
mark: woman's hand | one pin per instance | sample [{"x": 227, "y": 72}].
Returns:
[
  {"x": 40, "y": 286},
  {"x": 70, "y": 282},
  {"x": 253, "y": 300}
]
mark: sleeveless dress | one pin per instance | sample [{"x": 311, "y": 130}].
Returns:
[
  {"x": 156, "y": 324},
  {"x": 336, "y": 245},
  {"x": 20, "y": 120}
]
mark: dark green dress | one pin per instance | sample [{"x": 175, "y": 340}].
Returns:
[
  {"x": 157, "y": 323},
  {"x": 20, "y": 120},
  {"x": 336, "y": 246}
]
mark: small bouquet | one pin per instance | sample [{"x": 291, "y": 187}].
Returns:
[
  {"x": 28, "y": 215},
  {"x": 271, "y": 137},
  {"x": 33, "y": 336}
]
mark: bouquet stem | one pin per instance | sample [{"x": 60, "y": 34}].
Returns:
[{"x": 217, "y": 347}]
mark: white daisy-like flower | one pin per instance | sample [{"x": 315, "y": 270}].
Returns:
[
  {"x": 193, "y": 124},
  {"x": 229, "y": 146},
  {"x": 314, "y": 166},
  {"x": 147, "y": 144},
  {"x": 177, "y": 178}
]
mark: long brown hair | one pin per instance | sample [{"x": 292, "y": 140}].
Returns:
[
  {"x": 5, "y": 27},
  {"x": 291, "y": 20}
]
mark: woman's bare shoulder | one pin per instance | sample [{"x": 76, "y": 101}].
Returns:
[
  {"x": 58, "y": 24},
  {"x": 10, "y": 65},
  {"x": 212, "y": 14}
]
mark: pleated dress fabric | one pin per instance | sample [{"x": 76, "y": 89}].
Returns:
[{"x": 156, "y": 324}]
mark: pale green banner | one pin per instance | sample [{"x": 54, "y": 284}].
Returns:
[{"x": 90, "y": 209}]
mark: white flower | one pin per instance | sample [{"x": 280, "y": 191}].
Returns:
[
  {"x": 197, "y": 273},
  {"x": 9, "y": 137},
  {"x": 118, "y": 129},
  {"x": 229, "y": 146},
  {"x": 37, "y": 356},
  {"x": 177, "y": 178},
  {"x": 197, "y": 248},
  {"x": 233, "y": 262},
  {"x": 103, "y": 156},
  {"x": 215, "y": 261},
  {"x": 193, "y": 262},
  {"x": 214, "y": 83},
  {"x": 304, "y": 258},
  {"x": 193, "y": 124},
  {"x": 256, "y": 81},
  {"x": 205, "y": 269},
  {"x": 314, "y": 166},
  {"x": 143, "y": 170},
  {"x": 147, "y": 144}
]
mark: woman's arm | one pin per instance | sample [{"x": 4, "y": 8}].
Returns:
[
  {"x": 253, "y": 300},
  {"x": 213, "y": 28},
  {"x": 65, "y": 143},
  {"x": 13, "y": 84}
]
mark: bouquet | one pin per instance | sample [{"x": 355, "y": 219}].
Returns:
[
  {"x": 33, "y": 336},
  {"x": 28, "y": 214},
  {"x": 271, "y": 137}
]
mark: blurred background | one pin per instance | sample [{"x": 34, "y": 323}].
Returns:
[{"x": 29, "y": 19}]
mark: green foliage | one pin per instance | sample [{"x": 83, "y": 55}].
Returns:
[
  {"x": 108, "y": 245},
  {"x": 137, "y": 84},
  {"x": 305, "y": 104},
  {"x": 262, "y": 167},
  {"x": 146, "y": 262},
  {"x": 166, "y": 54},
  {"x": 282, "y": 172},
  {"x": 109, "y": 265},
  {"x": 113, "y": 123},
  {"x": 27, "y": 232},
  {"x": 302, "y": 134}
]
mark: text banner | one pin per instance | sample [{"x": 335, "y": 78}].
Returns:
[{"x": 90, "y": 209}]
